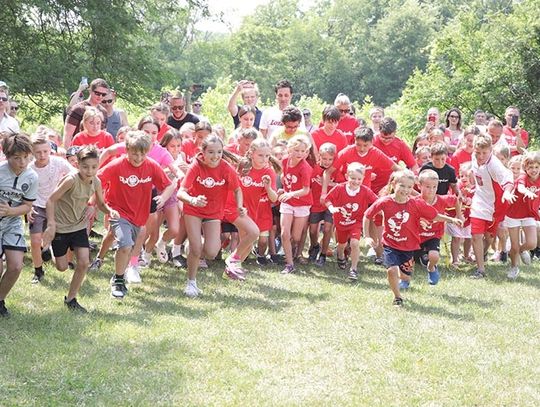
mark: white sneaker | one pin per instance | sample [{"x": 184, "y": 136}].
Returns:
[
  {"x": 132, "y": 275},
  {"x": 145, "y": 259},
  {"x": 203, "y": 264},
  {"x": 513, "y": 273},
  {"x": 525, "y": 257},
  {"x": 192, "y": 291},
  {"x": 161, "y": 251}
]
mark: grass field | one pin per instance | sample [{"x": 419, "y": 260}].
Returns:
[{"x": 311, "y": 338}]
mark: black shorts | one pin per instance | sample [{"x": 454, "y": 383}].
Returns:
[
  {"x": 227, "y": 227},
  {"x": 64, "y": 241},
  {"x": 153, "y": 204},
  {"x": 316, "y": 217},
  {"x": 429, "y": 245}
]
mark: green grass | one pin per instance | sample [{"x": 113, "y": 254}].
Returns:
[{"x": 306, "y": 339}]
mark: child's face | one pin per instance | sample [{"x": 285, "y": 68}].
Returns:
[
  {"x": 435, "y": 138},
  {"x": 387, "y": 138},
  {"x": 260, "y": 157},
  {"x": 423, "y": 158},
  {"x": 326, "y": 160},
  {"x": 243, "y": 144},
  {"x": 354, "y": 179},
  {"x": 469, "y": 138},
  {"x": 362, "y": 147},
  {"x": 93, "y": 125},
  {"x": 247, "y": 120},
  {"x": 72, "y": 159},
  {"x": 174, "y": 147},
  {"x": 424, "y": 142},
  {"x": 482, "y": 154},
  {"x": 160, "y": 117},
  {"x": 279, "y": 153},
  {"x": 403, "y": 188},
  {"x": 376, "y": 117},
  {"x": 200, "y": 136},
  {"x": 291, "y": 127},
  {"x": 212, "y": 154},
  {"x": 428, "y": 188},
  {"x": 465, "y": 178},
  {"x": 135, "y": 157},
  {"x": 330, "y": 126},
  {"x": 88, "y": 168},
  {"x": 298, "y": 152},
  {"x": 151, "y": 129},
  {"x": 533, "y": 170},
  {"x": 502, "y": 158},
  {"x": 515, "y": 167},
  {"x": 42, "y": 154},
  {"x": 438, "y": 160},
  {"x": 18, "y": 162}
]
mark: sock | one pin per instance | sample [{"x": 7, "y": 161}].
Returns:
[
  {"x": 38, "y": 270},
  {"x": 234, "y": 256},
  {"x": 176, "y": 250},
  {"x": 192, "y": 282}
]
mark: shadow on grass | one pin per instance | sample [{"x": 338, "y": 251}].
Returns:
[{"x": 413, "y": 306}]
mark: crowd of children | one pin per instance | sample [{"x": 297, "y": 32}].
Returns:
[{"x": 188, "y": 194}]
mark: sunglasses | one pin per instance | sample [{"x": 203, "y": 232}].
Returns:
[
  {"x": 344, "y": 110},
  {"x": 453, "y": 116},
  {"x": 14, "y": 107},
  {"x": 177, "y": 107},
  {"x": 108, "y": 101},
  {"x": 99, "y": 93},
  {"x": 197, "y": 104},
  {"x": 4, "y": 99}
]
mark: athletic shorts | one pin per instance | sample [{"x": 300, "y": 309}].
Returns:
[
  {"x": 125, "y": 232},
  {"x": 296, "y": 211},
  {"x": 458, "y": 231},
  {"x": 64, "y": 241},
  {"x": 516, "y": 223},
  {"x": 394, "y": 257},
  {"x": 12, "y": 240},
  {"x": 317, "y": 217},
  {"x": 227, "y": 227},
  {"x": 343, "y": 235},
  {"x": 482, "y": 226},
  {"x": 40, "y": 220}
]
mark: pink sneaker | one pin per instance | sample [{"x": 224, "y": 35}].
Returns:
[{"x": 233, "y": 275}]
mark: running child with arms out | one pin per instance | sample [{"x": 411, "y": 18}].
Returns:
[
  {"x": 67, "y": 220},
  {"x": 401, "y": 234},
  {"x": 348, "y": 202}
]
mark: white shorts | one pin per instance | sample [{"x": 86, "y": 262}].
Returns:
[
  {"x": 296, "y": 211},
  {"x": 457, "y": 231},
  {"x": 516, "y": 223}
]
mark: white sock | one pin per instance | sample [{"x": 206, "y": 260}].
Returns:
[{"x": 176, "y": 250}]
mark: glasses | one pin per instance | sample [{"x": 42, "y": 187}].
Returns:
[
  {"x": 3, "y": 99},
  {"x": 177, "y": 107},
  {"x": 292, "y": 126},
  {"x": 14, "y": 108},
  {"x": 344, "y": 111},
  {"x": 99, "y": 93},
  {"x": 108, "y": 101},
  {"x": 197, "y": 104},
  {"x": 307, "y": 114},
  {"x": 453, "y": 116}
]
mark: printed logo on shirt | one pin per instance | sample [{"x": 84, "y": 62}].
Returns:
[
  {"x": 25, "y": 187},
  {"x": 479, "y": 181},
  {"x": 275, "y": 123},
  {"x": 290, "y": 179},
  {"x": 350, "y": 208},
  {"x": 247, "y": 181},
  {"x": 317, "y": 180},
  {"x": 132, "y": 181},
  {"x": 395, "y": 223},
  {"x": 210, "y": 182}
]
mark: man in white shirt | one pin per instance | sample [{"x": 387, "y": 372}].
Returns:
[{"x": 8, "y": 124}]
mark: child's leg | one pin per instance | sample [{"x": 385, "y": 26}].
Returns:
[
  {"x": 14, "y": 265},
  {"x": 301, "y": 241},
  {"x": 83, "y": 262},
  {"x": 530, "y": 241},
  {"x": 393, "y": 280},
  {"x": 212, "y": 240},
  {"x": 433, "y": 259},
  {"x": 193, "y": 229},
  {"x": 248, "y": 233},
  {"x": 286, "y": 226},
  {"x": 262, "y": 244},
  {"x": 313, "y": 234},
  {"x": 514, "y": 233},
  {"x": 478, "y": 249},
  {"x": 454, "y": 249},
  {"x": 328, "y": 229},
  {"x": 172, "y": 217},
  {"x": 152, "y": 231},
  {"x": 467, "y": 247},
  {"x": 340, "y": 248},
  {"x": 299, "y": 232},
  {"x": 355, "y": 253},
  {"x": 106, "y": 244},
  {"x": 35, "y": 249}
]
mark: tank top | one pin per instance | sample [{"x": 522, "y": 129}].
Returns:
[
  {"x": 114, "y": 122},
  {"x": 70, "y": 211}
]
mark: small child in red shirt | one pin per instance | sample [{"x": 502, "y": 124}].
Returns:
[
  {"x": 347, "y": 202},
  {"x": 92, "y": 133},
  {"x": 401, "y": 235}
]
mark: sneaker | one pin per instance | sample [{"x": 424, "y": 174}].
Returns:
[
  {"x": 96, "y": 265},
  {"x": 192, "y": 291},
  {"x": 3, "y": 310},
  {"x": 37, "y": 277},
  {"x": 321, "y": 260},
  {"x": 525, "y": 257},
  {"x": 371, "y": 253},
  {"x": 313, "y": 252},
  {"x": 513, "y": 273},
  {"x": 179, "y": 261},
  {"x": 398, "y": 302},
  {"x": 202, "y": 264},
  {"x": 353, "y": 275},
  {"x": 478, "y": 274},
  {"x": 234, "y": 265},
  {"x": 342, "y": 263},
  {"x": 145, "y": 259},
  {"x": 73, "y": 305},
  {"x": 161, "y": 251},
  {"x": 262, "y": 261},
  {"x": 276, "y": 259},
  {"x": 118, "y": 287},
  {"x": 289, "y": 268},
  {"x": 404, "y": 284},
  {"x": 92, "y": 246},
  {"x": 379, "y": 261},
  {"x": 46, "y": 255},
  {"x": 132, "y": 275},
  {"x": 503, "y": 257},
  {"x": 232, "y": 275},
  {"x": 95, "y": 234},
  {"x": 496, "y": 256},
  {"x": 301, "y": 260},
  {"x": 433, "y": 276}
]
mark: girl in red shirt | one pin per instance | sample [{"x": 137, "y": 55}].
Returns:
[
  {"x": 296, "y": 198},
  {"x": 92, "y": 133}
]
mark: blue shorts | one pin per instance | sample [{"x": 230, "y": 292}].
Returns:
[{"x": 394, "y": 257}]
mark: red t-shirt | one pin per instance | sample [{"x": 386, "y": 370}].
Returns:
[
  {"x": 213, "y": 183},
  {"x": 164, "y": 129},
  {"x": 295, "y": 178},
  {"x": 510, "y": 137},
  {"x": 130, "y": 188},
  {"x": 397, "y": 150},
  {"x": 348, "y": 124},
  {"x": 190, "y": 149},
  {"x": 460, "y": 156},
  {"x": 444, "y": 204},
  {"x": 101, "y": 140},
  {"x": 316, "y": 186},
  {"x": 374, "y": 160},
  {"x": 525, "y": 207},
  {"x": 337, "y": 138},
  {"x": 401, "y": 221},
  {"x": 355, "y": 205}
]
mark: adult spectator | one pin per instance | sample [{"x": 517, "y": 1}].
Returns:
[
  {"x": 76, "y": 97},
  {"x": 495, "y": 131},
  {"x": 99, "y": 89},
  {"x": 434, "y": 122},
  {"x": 347, "y": 123},
  {"x": 116, "y": 118},
  {"x": 376, "y": 114},
  {"x": 249, "y": 92},
  {"x": 13, "y": 108},
  {"x": 179, "y": 115},
  {"x": 307, "y": 120},
  {"x": 517, "y": 138},
  {"x": 196, "y": 110},
  {"x": 271, "y": 117},
  {"x": 8, "y": 124},
  {"x": 453, "y": 122}
]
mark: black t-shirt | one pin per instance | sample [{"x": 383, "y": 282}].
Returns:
[
  {"x": 447, "y": 176},
  {"x": 189, "y": 118},
  {"x": 258, "y": 115}
]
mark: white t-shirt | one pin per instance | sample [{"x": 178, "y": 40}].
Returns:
[
  {"x": 49, "y": 177},
  {"x": 271, "y": 121},
  {"x": 9, "y": 124}
]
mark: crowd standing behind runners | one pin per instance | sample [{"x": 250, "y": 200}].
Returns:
[{"x": 177, "y": 186}]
